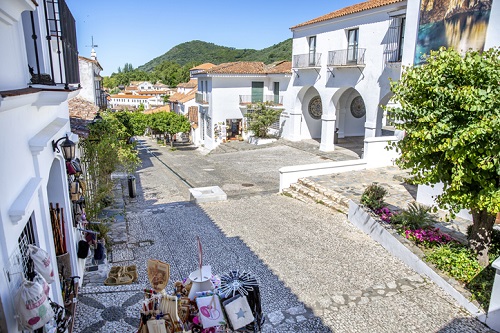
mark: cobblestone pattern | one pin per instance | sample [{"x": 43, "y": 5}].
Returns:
[{"x": 305, "y": 258}]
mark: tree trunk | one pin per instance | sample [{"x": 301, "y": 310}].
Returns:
[{"x": 480, "y": 235}]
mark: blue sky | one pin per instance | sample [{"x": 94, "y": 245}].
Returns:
[{"x": 138, "y": 31}]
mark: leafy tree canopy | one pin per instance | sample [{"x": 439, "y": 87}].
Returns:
[
  {"x": 261, "y": 117},
  {"x": 450, "y": 112}
]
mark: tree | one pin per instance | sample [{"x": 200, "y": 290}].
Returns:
[
  {"x": 450, "y": 112},
  {"x": 261, "y": 118},
  {"x": 134, "y": 122},
  {"x": 169, "y": 123}
]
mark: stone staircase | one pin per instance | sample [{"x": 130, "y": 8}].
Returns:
[{"x": 308, "y": 191}]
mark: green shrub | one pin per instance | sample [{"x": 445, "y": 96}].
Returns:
[
  {"x": 457, "y": 261},
  {"x": 481, "y": 286},
  {"x": 416, "y": 216},
  {"x": 373, "y": 196}
]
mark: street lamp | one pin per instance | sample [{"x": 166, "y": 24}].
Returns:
[{"x": 68, "y": 148}]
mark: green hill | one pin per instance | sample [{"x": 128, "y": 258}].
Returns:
[{"x": 200, "y": 52}]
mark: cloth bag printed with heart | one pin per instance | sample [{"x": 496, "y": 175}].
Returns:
[
  {"x": 210, "y": 311},
  {"x": 238, "y": 312}
]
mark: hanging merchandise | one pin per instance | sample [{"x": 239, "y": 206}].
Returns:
[
  {"x": 58, "y": 231},
  {"x": 42, "y": 262},
  {"x": 32, "y": 306},
  {"x": 62, "y": 317},
  {"x": 83, "y": 249},
  {"x": 245, "y": 284},
  {"x": 159, "y": 274},
  {"x": 38, "y": 278},
  {"x": 99, "y": 250},
  {"x": 210, "y": 311},
  {"x": 238, "y": 312}
]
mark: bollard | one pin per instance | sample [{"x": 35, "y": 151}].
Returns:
[
  {"x": 493, "y": 316},
  {"x": 131, "y": 187}
]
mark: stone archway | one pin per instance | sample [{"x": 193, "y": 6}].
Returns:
[
  {"x": 351, "y": 114},
  {"x": 312, "y": 112}
]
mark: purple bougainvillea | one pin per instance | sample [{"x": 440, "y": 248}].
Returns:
[
  {"x": 428, "y": 237},
  {"x": 385, "y": 214}
]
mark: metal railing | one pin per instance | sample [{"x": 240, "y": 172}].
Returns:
[
  {"x": 348, "y": 57},
  {"x": 201, "y": 98},
  {"x": 61, "y": 46},
  {"x": 308, "y": 60},
  {"x": 271, "y": 99}
]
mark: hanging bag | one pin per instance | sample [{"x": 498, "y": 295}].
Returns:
[
  {"x": 42, "y": 262},
  {"x": 99, "y": 250},
  {"x": 83, "y": 249},
  {"x": 32, "y": 306}
]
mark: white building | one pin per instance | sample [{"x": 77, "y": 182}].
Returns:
[
  {"x": 91, "y": 80},
  {"x": 225, "y": 91},
  {"x": 34, "y": 115},
  {"x": 342, "y": 63},
  {"x": 131, "y": 101}
]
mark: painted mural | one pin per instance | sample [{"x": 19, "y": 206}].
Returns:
[{"x": 460, "y": 24}]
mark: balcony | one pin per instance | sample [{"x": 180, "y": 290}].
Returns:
[
  {"x": 351, "y": 57},
  {"x": 272, "y": 100},
  {"x": 201, "y": 98},
  {"x": 61, "y": 47},
  {"x": 309, "y": 60}
]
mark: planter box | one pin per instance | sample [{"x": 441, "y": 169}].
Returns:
[
  {"x": 259, "y": 141},
  {"x": 389, "y": 240}
]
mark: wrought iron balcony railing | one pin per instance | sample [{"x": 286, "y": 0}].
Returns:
[
  {"x": 354, "y": 56},
  {"x": 61, "y": 46},
  {"x": 273, "y": 100},
  {"x": 309, "y": 60}
]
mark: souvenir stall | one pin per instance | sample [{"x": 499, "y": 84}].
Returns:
[
  {"x": 202, "y": 302},
  {"x": 36, "y": 312}
]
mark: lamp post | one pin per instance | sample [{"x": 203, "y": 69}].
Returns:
[{"x": 68, "y": 148}]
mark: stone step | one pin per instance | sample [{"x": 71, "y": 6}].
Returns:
[
  {"x": 307, "y": 195},
  {"x": 330, "y": 194}
]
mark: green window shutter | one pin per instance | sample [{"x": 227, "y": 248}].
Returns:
[
  {"x": 276, "y": 90},
  {"x": 257, "y": 92}
]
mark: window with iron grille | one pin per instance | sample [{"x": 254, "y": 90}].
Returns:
[
  {"x": 26, "y": 238},
  {"x": 395, "y": 40},
  {"x": 208, "y": 123}
]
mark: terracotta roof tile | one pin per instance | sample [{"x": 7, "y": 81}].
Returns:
[
  {"x": 81, "y": 113},
  {"x": 176, "y": 97},
  {"x": 206, "y": 65},
  {"x": 191, "y": 84},
  {"x": 165, "y": 108},
  {"x": 370, "y": 4},
  {"x": 189, "y": 96},
  {"x": 251, "y": 67}
]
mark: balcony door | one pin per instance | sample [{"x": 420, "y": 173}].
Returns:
[
  {"x": 312, "y": 51},
  {"x": 257, "y": 92},
  {"x": 276, "y": 91},
  {"x": 352, "y": 45}
]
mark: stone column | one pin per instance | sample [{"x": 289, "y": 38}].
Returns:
[
  {"x": 327, "y": 132},
  {"x": 341, "y": 122},
  {"x": 295, "y": 119}
]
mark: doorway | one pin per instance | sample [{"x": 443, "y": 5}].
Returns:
[{"x": 233, "y": 129}]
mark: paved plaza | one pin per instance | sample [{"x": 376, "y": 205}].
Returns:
[{"x": 317, "y": 272}]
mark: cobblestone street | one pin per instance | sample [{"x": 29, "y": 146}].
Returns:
[{"x": 317, "y": 272}]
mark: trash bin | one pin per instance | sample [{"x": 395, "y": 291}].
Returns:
[
  {"x": 336, "y": 136},
  {"x": 131, "y": 187}
]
